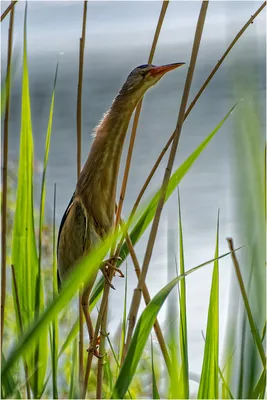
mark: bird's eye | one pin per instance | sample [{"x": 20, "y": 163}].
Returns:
[{"x": 143, "y": 73}]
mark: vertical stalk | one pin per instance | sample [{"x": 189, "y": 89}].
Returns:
[
  {"x": 101, "y": 361},
  {"x": 79, "y": 145},
  {"x": 80, "y": 89},
  {"x": 55, "y": 292},
  {"x": 154, "y": 229},
  {"x": 164, "y": 7},
  {"x": 4, "y": 172}
]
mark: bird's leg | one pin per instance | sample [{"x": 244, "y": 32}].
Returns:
[
  {"x": 85, "y": 307},
  {"x": 107, "y": 266}
]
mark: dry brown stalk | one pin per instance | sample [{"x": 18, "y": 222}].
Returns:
[
  {"x": 4, "y": 173},
  {"x": 101, "y": 361},
  {"x": 254, "y": 330},
  {"x": 21, "y": 329},
  {"x": 153, "y": 233},
  {"x": 147, "y": 299},
  {"x": 189, "y": 109},
  {"x": 94, "y": 341},
  {"x": 79, "y": 145},
  {"x": 8, "y": 9},
  {"x": 80, "y": 88},
  {"x": 137, "y": 115}
]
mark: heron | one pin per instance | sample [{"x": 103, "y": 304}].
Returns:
[{"x": 89, "y": 216}]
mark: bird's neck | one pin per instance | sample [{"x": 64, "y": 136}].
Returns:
[{"x": 98, "y": 180}]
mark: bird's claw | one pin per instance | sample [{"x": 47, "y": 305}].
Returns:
[
  {"x": 105, "y": 273},
  {"x": 111, "y": 266},
  {"x": 107, "y": 265},
  {"x": 94, "y": 349}
]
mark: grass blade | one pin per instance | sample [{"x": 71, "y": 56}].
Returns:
[
  {"x": 209, "y": 385},
  {"x": 254, "y": 330},
  {"x": 142, "y": 331},
  {"x": 184, "y": 374},
  {"x": 54, "y": 352},
  {"x": 80, "y": 274},
  {"x": 155, "y": 392},
  {"x": 4, "y": 154},
  {"x": 73, "y": 393},
  {"x": 9, "y": 388},
  {"x": 24, "y": 252}
]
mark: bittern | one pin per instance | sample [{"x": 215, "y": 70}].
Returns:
[{"x": 90, "y": 213}]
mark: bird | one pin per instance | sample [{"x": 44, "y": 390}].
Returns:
[{"x": 89, "y": 216}]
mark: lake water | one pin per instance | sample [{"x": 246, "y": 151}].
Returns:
[{"x": 118, "y": 38}]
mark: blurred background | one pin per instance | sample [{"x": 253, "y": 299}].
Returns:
[{"x": 118, "y": 38}]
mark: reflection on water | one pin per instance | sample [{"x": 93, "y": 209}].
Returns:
[{"x": 114, "y": 46}]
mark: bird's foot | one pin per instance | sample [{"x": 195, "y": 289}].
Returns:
[
  {"x": 107, "y": 266},
  {"x": 94, "y": 349}
]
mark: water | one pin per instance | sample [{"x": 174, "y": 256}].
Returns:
[{"x": 114, "y": 46}]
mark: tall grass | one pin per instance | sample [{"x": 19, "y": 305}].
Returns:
[{"x": 31, "y": 368}]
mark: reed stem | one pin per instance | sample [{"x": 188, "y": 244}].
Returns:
[
  {"x": 79, "y": 151},
  {"x": 8, "y": 9},
  {"x": 154, "y": 229}
]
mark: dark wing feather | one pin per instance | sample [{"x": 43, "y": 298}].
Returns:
[{"x": 60, "y": 230}]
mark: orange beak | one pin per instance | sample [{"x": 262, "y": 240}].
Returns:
[{"x": 155, "y": 71}]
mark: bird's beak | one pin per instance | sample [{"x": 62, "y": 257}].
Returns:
[{"x": 161, "y": 70}]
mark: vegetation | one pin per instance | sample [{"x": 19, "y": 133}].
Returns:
[{"x": 40, "y": 363}]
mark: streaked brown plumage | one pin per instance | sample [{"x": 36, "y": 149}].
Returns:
[{"x": 89, "y": 216}]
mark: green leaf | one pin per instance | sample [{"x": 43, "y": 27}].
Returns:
[
  {"x": 183, "y": 380},
  {"x": 9, "y": 388},
  {"x": 260, "y": 388},
  {"x": 54, "y": 328},
  {"x": 141, "y": 333},
  {"x": 75, "y": 328},
  {"x": 155, "y": 392},
  {"x": 24, "y": 252},
  {"x": 80, "y": 274},
  {"x": 73, "y": 393},
  {"x": 209, "y": 384}
]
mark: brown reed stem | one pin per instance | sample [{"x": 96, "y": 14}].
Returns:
[
  {"x": 147, "y": 298},
  {"x": 21, "y": 328},
  {"x": 80, "y": 89},
  {"x": 153, "y": 233},
  {"x": 137, "y": 115},
  {"x": 189, "y": 109},
  {"x": 254, "y": 330},
  {"x": 94, "y": 341},
  {"x": 79, "y": 151},
  {"x": 4, "y": 173},
  {"x": 101, "y": 361},
  {"x": 8, "y": 9}
]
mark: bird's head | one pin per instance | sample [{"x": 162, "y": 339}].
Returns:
[{"x": 145, "y": 76}]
